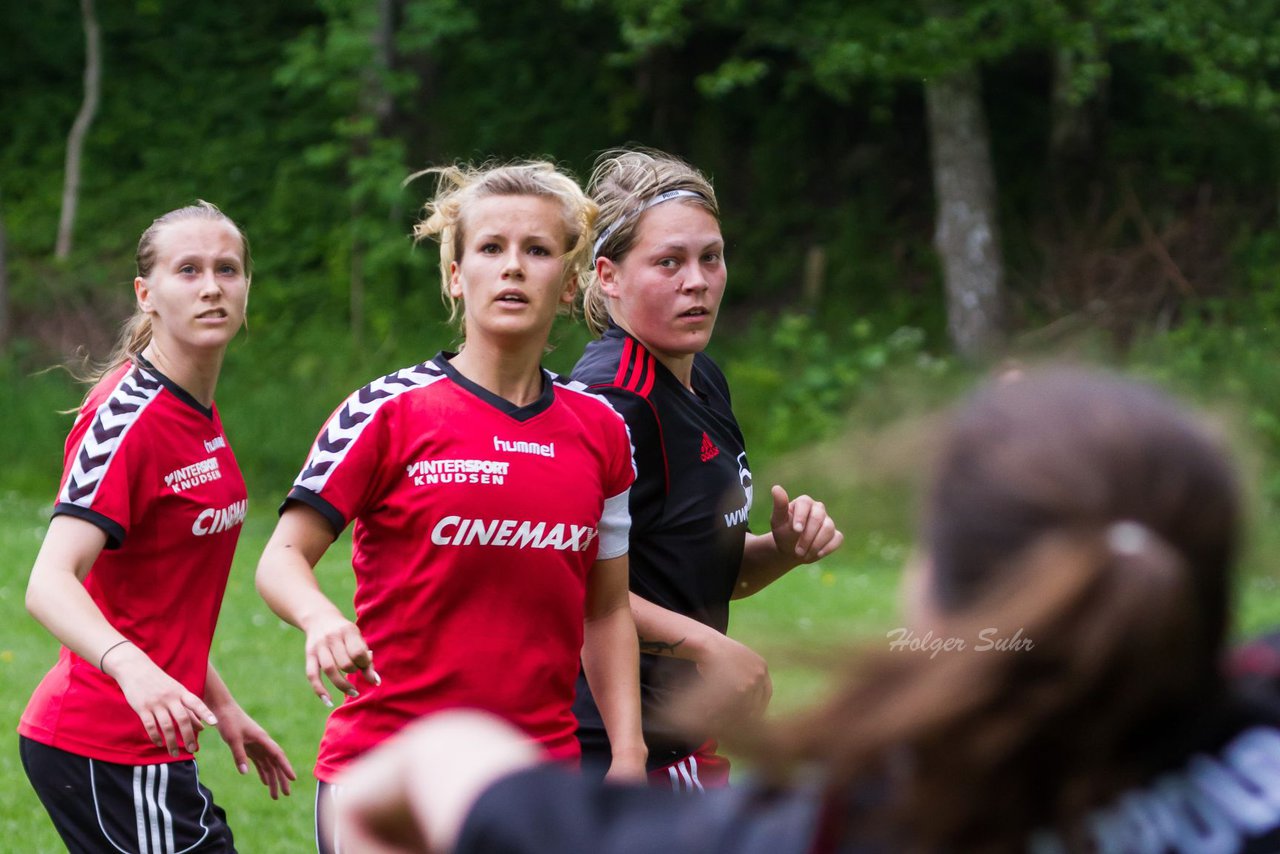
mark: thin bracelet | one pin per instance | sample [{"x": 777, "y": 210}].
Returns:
[{"x": 108, "y": 649}]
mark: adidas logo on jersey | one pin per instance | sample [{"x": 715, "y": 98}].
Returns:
[
  {"x": 709, "y": 450},
  {"x": 211, "y": 521},
  {"x": 510, "y": 533}
]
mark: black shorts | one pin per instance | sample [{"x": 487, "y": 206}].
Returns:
[{"x": 101, "y": 806}]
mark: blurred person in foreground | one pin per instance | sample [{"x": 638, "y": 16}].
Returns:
[{"x": 1062, "y": 684}]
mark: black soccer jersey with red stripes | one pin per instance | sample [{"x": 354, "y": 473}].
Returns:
[{"x": 689, "y": 508}]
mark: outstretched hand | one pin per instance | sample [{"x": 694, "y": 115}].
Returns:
[
  {"x": 250, "y": 742},
  {"x": 335, "y": 648},
  {"x": 802, "y": 530},
  {"x": 413, "y": 792}
]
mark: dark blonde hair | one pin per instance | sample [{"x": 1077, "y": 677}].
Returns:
[
  {"x": 622, "y": 182},
  {"x": 460, "y": 186},
  {"x": 135, "y": 334},
  {"x": 1093, "y": 515}
]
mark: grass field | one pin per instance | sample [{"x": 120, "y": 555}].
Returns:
[
  {"x": 261, "y": 659},
  {"x": 849, "y": 597}
]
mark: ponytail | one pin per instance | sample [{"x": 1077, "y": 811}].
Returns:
[{"x": 1074, "y": 675}]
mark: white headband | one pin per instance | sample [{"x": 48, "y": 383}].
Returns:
[{"x": 656, "y": 200}]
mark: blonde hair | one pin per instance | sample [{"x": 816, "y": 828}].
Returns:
[
  {"x": 135, "y": 333},
  {"x": 459, "y": 187},
  {"x": 622, "y": 183}
]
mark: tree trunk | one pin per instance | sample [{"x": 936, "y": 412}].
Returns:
[
  {"x": 967, "y": 235},
  {"x": 4, "y": 286},
  {"x": 375, "y": 101},
  {"x": 1074, "y": 127},
  {"x": 80, "y": 129}
]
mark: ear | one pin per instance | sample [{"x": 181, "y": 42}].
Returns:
[
  {"x": 143, "y": 294},
  {"x": 607, "y": 275},
  {"x": 570, "y": 290},
  {"x": 455, "y": 281}
]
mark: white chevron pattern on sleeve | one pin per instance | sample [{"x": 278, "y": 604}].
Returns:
[
  {"x": 346, "y": 425},
  {"x": 111, "y": 422}
]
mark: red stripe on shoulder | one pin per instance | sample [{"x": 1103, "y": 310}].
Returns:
[
  {"x": 620, "y": 378},
  {"x": 651, "y": 371},
  {"x": 636, "y": 368}
]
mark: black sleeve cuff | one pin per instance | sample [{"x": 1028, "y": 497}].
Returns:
[
  {"x": 302, "y": 495},
  {"x": 114, "y": 530}
]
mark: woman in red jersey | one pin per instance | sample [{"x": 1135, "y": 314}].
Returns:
[
  {"x": 489, "y": 499},
  {"x": 144, "y": 528}
]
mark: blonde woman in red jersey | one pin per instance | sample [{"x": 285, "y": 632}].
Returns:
[
  {"x": 144, "y": 528},
  {"x": 489, "y": 502}
]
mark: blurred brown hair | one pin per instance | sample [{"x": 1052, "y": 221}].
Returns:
[{"x": 1094, "y": 515}]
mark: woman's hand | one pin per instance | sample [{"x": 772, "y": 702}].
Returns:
[
  {"x": 802, "y": 530},
  {"x": 249, "y": 742},
  {"x": 172, "y": 715},
  {"x": 413, "y": 792},
  {"x": 628, "y": 765},
  {"x": 335, "y": 648}
]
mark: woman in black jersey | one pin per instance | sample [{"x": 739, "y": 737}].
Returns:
[
  {"x": 1065, "y": 686},
  {"x": 658, "y": 276}
]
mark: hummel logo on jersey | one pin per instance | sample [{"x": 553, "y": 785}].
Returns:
[
  {"x": 457, "y": 531},
  {"x": 547, "y": 450},
  {"x": 424, "y": 472},
  {"x": 709, "y": 450},
  {"x": 211, "y": 445},
  {"x": 193, "y": 475},
  {"x": 211, "y": 521}
]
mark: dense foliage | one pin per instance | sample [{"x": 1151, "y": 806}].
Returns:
[{"x": 1135, "y": 148}]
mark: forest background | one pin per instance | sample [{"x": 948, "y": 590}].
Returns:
[{"x": 913, "y": 193}]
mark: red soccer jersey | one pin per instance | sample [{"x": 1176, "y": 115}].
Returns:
[
  {"x": 151, "y": 466},
  {"x": 476, "y": 523}
]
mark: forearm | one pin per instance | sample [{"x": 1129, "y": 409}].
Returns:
[
  {"x": 664, "y": 632},
  {"x": 61, "y": 604},
  {"x": 217, "y": 695},
  {"x": 287, "y": 583},
  {"x": 286, "y": 577},
  {"x": 56, "y": 596},
  {"x": 762, "y": 564},
  {"x": 611, "y": 661}
]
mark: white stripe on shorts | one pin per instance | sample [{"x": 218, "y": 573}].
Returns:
[
  {"x": 153, "y": 819},
  {"x": 693, "y": 771},
  {"x": 684, "y": 773},
  {"x": 139, "y": 809},
  {"x": 163, "y": 797}
]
